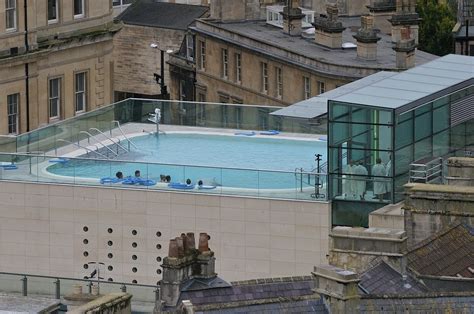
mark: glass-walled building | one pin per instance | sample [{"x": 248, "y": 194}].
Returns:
[{"x": 377, "y": 131}]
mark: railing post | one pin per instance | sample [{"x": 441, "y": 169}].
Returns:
[
  {"x": 157, "y": 294},
  {"x": 123, "y": 288},
  {"x": 57, "y": 286},
  {"x": 24, "y": 286},
  {"x": 301, "y": 180}
]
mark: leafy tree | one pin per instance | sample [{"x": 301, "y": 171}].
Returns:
[{"x": 438, "y": 20}]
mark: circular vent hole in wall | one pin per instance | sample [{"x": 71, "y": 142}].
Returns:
[
  {"x": 85, "y": 229},
  {"x": 134, "y": 232},
  {"x": 110, "y": 230}
]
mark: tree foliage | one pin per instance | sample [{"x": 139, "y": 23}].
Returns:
[{"x": 438, "y": 20}]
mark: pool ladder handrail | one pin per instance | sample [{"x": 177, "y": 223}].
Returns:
[
  {"x": 110, "y": 139},
  {"x": 123, "y": 134},
  {"x": 83, "y": 147},
  {"x": 98, "y": 142}
]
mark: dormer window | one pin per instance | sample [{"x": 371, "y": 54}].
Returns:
[{"x": 275, "y": 18}]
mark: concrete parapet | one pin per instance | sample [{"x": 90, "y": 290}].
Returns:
[
  {"x": 390, "y": 216},
  {"x": 460, "y": 171},
  {"x": 430, "y": 208},
  {"x": 117, "y": 303},
  {"x": 355, "y": 248}
]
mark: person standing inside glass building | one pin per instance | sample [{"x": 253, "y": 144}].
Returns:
[
  {"x": 360, "y": 176},
  {"x": 378, "y": 171}
]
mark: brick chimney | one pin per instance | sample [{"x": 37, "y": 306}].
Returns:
[
  {"x": 183, "y": 263},
  {"x": 367, "y": 39},
  {"x": 405, "y": 16},
  {"x": 338, "y": 288},
  {"x": 328, "y": 30},
  {"x": 292, "y": 18},
  {"x": 405, "y": 49}
]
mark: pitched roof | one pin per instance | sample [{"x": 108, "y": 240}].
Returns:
[
  {"x": 460, "y": 302},
  {"x": 448, "y": 253},
  {"x": 383, "y": 279},
  {"x": 260, "y": 295},
  {"x": 162, "y": 14}
]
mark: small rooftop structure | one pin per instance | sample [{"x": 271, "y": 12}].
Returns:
[
  {"x": 391, "y": 90},
  {"x": 162, "y": 14}
]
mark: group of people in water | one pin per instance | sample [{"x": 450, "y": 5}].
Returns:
[
  {"x": 354, "y": 180},
  {"x": 163, "y": 178}
]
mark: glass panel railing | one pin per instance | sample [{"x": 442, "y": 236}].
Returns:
[{"x": 161, "y": 176}]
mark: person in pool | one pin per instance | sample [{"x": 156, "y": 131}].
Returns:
[
  {"x": 188, "y": 181},
  {"x": 200, "y": 183},
  {"x": 168, "y": 179},
  {"x": 119, "y": 175},
  {"x": 137, "y": 173}
]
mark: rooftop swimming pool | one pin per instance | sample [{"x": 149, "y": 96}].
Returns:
[{"x": 224, "y": 160}]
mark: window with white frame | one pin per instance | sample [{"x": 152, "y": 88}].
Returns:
[
  {"x": 81, "y": 92},
  {"x": 10, "y": 15},
  {"x": 321, "y": 87},
  {"x": 279, "y": 82},
  {"x": 79, "y": 8},
  {"x": 264, "y": 77},
  {"x": 12, "y": 107},
  {"x": 307, "y": 87},
  {"x": 54, "y": 98},
  {"x": 238, "y": 68},
  {"x": 190, "y": 47},
  {"x": 225, "y": 63},
  {"x": 53, "y": 11},
  {"x": 202, "y": 55}
]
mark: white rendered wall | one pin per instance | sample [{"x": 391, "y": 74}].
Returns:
[{"x": 42, "y": 231}]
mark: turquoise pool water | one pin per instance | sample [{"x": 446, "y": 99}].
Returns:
[{"x": 208, "y": 158}]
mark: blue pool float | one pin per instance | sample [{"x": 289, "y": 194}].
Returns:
[
  {"x": 107, "y": 180},
  {"x": 59, "y": 160},
  {"x": 252, "y": 133},
  {"x": 270, "y": 132},
  {"x": 9, "y": 167},
  {"x": 181, "y": 186},
  {"x": 323, "y": 138},
  {"x": 139, "y": 181},
  {"x": 206, "y": 187}
]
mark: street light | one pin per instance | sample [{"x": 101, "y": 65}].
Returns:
[{"x": 160, "y": 78}]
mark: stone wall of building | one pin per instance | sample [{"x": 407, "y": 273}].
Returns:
[
  {"x": 136, "y": 61},
  {"x": 56, "y": 229},
  {"x": 91, "y": 56},
  {"x": 431, "y": 208},
  {"x": 460, "y": 171},
  {"x": 218, "y": 88}
]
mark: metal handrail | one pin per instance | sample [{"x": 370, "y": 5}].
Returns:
[
  {"x": 98, "y": 142},
  {"x": 80, "y": 146},
  {"x": 109, "y": 138},
  {"x": 123, "y": 134}
]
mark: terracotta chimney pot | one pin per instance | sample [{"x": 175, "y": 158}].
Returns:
[
  {"x": 173, "y": 249},
  {"x": 203, "y": 242}
]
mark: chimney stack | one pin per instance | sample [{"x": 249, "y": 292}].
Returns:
[
  {"x": 292, "y": 18},
  {"x": 328, "y": 30},
  {"x": 338, "y": 288},
  {"x": 367, "y": 39},
  {"x": 185, "y": 263},
  {"x": 405, "y": 16},
  {"x": 405, "y": 50}
]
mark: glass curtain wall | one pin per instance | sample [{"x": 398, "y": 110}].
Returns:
[{"x": 360, "y": 161}]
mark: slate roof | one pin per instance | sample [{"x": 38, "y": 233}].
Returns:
[
  {"x": 448, "y": 253},
  {"x": 383, "y": 279},
  {"x": 289, "y": 294},
  {"x": 162, "y": 14},
  {"x": 461, "y": 302}
]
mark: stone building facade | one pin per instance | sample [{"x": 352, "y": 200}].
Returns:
[
  {"x": 242, "y": 59},
  {"x": 55, "y": 61},
  {"x": 141, "y": 41}
]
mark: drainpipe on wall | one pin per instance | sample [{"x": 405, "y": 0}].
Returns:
[{"x": 27, "y": 78}]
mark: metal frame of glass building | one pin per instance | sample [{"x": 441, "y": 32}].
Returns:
[{"x": 396, "y": 119}]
